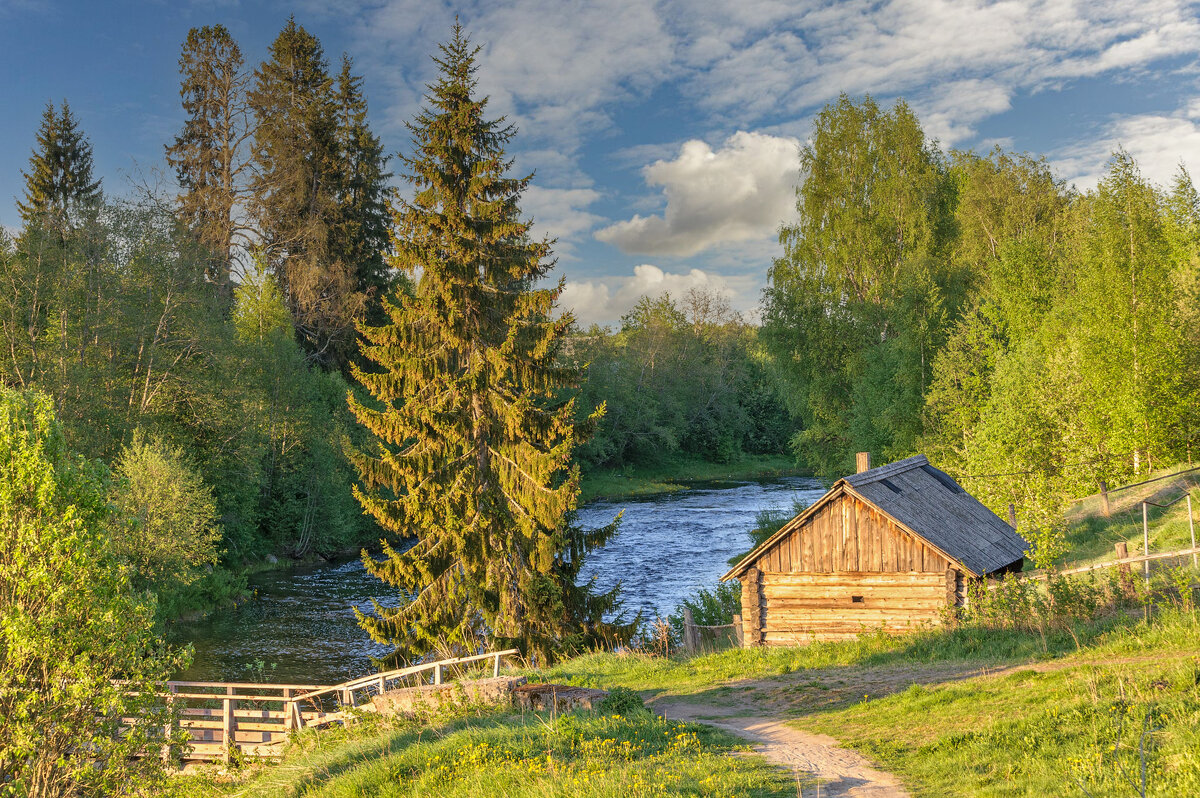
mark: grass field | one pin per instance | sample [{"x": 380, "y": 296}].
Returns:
[
  {"x": 1091, "y": 536},
  {"x": 1069, "y": 726}
]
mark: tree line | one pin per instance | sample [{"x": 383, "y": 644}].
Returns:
[
  {"x": 1031, "y": 338},
  {"x": 679, "y": 378},
  {"x": 209, "y": 334}
]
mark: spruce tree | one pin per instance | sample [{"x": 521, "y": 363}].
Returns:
[
  {"x": 59, "y": 179},
  {"x": 474, "y": 418},
  {"x": 208, "y": 155},
  {"x": 359, "y": 234},
  {"x": 295, "y": 192}
]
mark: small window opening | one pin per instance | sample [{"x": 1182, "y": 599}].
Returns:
[{"x": 856, "y": 599}]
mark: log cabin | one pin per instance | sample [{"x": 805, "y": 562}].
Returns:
[{"x": 891, "y": 547}]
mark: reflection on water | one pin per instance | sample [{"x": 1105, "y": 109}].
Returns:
[{"x": 300, "y": 627}]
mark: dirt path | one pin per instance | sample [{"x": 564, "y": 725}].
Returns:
[
  {"x": 755, "y": 710},
  {"x": 820, "y": 766}
]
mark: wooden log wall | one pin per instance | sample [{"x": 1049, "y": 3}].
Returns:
[
  {"x": 801, "y": 608},
  {"x": 752, "y": 603}
]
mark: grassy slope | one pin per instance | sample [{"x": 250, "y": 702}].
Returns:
[
  {"x": 674, "y": 475},
  {"x": 1046, "y": 730},
  {"x": 1092, "y": 536},
  {"x": 600, "y": 756}
]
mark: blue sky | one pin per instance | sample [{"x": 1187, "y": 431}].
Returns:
[{"x": 664, "y": 134}]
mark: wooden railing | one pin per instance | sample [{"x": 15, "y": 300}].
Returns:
[
  {"x": 347, "y": 691},
  {"x": 255, "y": 719}
]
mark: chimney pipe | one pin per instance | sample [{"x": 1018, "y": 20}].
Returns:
[{"x": 863, "y": 461}]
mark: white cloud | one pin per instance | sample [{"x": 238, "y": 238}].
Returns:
[
  {"x": 741, "y": 192},
  {"x": 1158, "y": 142},
  {"x": 604, "y": 301},
  {"x": 950, "y": 112},
  {"x": 560, "y": 213},
  {"x": 554, "y": 68},
  {"x": 962, "y": 61}
]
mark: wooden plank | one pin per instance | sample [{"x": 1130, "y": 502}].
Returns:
[
  {"x": 256, "y": 687},
  {"x": 868, "y": 602},
  {"x": 237, "y": 713},
  {"x": 817, "y": 530},
  {"x": 208, "y": 723},
  {"x": 852, "y": 519},
  {"x": 951, "y": 587},
  {"x": 806, "y": 616},
  {"x": 855, "y": 578},
  {"x": 868, "y": 592}
]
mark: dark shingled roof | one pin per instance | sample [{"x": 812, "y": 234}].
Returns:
[{"x": 930, "y": 503}]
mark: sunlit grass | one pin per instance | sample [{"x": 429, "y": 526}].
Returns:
[
  {"x": 515, "y": 755},
  {"x": 1076, "y": 725}
]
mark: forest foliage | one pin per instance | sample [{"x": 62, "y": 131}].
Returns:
[{"x": 1030, "y": 338}]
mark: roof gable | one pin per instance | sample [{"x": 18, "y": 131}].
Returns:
[{"x": 928, "y": 503}]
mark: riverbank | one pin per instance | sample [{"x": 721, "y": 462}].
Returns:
[{"x": 679, "y": 474}]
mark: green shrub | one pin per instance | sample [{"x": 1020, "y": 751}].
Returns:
[
  {"x": 622, "y": 701},
  {"x": 171, "y": 532}
]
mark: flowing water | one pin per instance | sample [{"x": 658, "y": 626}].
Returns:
[{"x": 300, "y": 625}]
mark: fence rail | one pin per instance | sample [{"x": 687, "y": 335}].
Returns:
[
  {"x": 1145, "y": 558},
  {"x": 254, "y": 719}
]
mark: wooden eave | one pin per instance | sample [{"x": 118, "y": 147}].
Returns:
[{"x": 839, "y": 488}]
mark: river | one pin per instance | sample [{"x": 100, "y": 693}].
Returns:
[{"x": 300, "y": 625}]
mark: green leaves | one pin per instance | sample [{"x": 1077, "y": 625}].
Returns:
[
  {"x": 859, "y": 302},
  {"x": 70, "y": 623}
]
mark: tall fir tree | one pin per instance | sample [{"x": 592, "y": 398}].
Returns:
[
  {"x": 209, "y": 154},
  {"x": 474, "y": 415},
  {"x": 360, "y": 232},
  {"x": 295, "y": 192},
  {"x": 60, "y": 178}
]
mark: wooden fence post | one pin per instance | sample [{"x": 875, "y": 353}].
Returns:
[
  {"x": 1012, "y": 515},
  {"x": 691, "y": 635},
  {"x": 1104, "y": 506},
  {"x": 437, "y": 674},
  {"x": 1192, "y": 527},
  {"x": 228, "y": 732},
  {"x": 1146, "y": 540},
  {"x": 496, "y": 667},
  {"x": 738, "y": 631},
  {"x": 166, "y": 749}
]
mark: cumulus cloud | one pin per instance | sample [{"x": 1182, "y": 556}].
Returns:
[
  {"x": 951, "y": 111},
  {"x": 604, "y": 301},
  {"x": 740, "y": 192},
  {"x": 1158, "y": 142}
]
